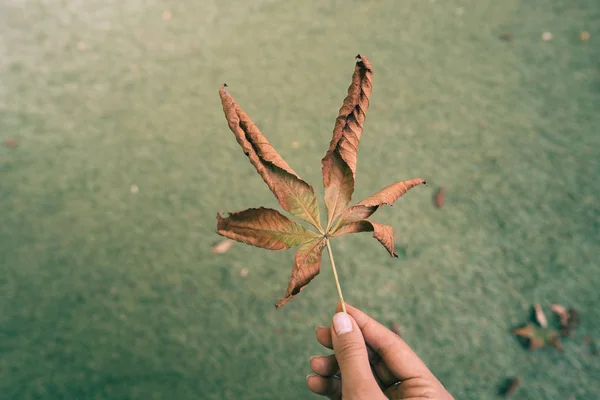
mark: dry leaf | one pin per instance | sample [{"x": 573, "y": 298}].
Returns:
[
  {"x": 339, "y": 164},
  {"x": 507, "y": 37},
  {"x": 555, "y": 341},
  {"x": 536, "y": 337},
  {"x": 569, "y": 319},
  {"x": 383, "y": 233},
  {"x": 167, "y": 15},
  {"x": 295, "y": 195},
  {"x": 367, "y": 207},
  {"x": 440, "y": 197},
  {"x": 244, "y": 272},
  {"x": 510, "y": 387},
  {"x": 267, "y": 228},
  {"x": 264, "y": 227},
  {"x": 562, "y": 313},
  {"x": 546, "y": 36},
  {"x": 223, "y": 246},
  {"x": 540, "y": 317},
  {"x": 584, "y": 36},
  {"x": 11, "y": 143}
]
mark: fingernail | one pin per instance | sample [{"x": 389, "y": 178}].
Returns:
[
  {"x": 308, "y": 376},
  {"x": 319, "y": 327},
  {"x": 342, "y": 323}
]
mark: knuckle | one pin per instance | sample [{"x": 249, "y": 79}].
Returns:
[{"x": 350, "y": 350}]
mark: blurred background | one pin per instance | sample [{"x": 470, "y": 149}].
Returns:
[{"x": 115, "y": 158}]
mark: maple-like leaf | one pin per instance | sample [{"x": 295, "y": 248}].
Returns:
[{"x": 269, "y": 229}]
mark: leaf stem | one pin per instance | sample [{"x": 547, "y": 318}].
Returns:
[{"x": 335, "y": 275}]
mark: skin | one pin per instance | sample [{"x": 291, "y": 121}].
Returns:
[{"x": 370, "y": 362}]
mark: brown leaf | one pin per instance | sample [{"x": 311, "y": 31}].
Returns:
[
  {"x": 440, "y": 197},
  {"x": 11, "y": 143},
  {"x": 339, "y": 163},
  {"x": 506, "y": 37},
  {"x": 555, "y": 341},
  {"x": 530, "y": 335},
  {"x": 295, "y": 195},
  {"x": 264, "y": 227},
  {"x": 223, "y": 246},
  {"x": 383, "y": 233},
  {"x": 307, "y": 265},
  {"x": 540, "y": 317},
  {"x": 510, "y": 387},
  {"x": 562, "y": 313},
  {"x": 269, "y": 229},
  {"x": 371, "y": 204}
]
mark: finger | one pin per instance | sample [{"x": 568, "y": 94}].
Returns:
[
  {"x": 401, "y": 360},
  {"x": 324, "y": 365},
  {"x": 381, "y": 371},
  {"x": 351, "y": 354},
  {"x": 330, "y": 387},
  {"x": 324, "y": 336}
]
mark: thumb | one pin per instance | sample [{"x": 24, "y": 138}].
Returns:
[{"x": 352, "y": 357}]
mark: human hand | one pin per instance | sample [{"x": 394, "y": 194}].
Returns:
[{"x": 369, "y": 362}]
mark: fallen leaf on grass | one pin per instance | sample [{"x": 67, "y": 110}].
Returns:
[
  {"x": 536, "y": 338},
  {"x": 584, "y": 36},
  {"x": 540, "y": 317},
  {"x": 510, "y": 387},
  {"x": 439, "y": 198},
  {"x": 11, "y": 143},
  {"x": 270, "y": 229},
  {"x": 569, "y": 318},
  {"x": 562, "y": 313},
  {"x": 506, "y": 37},
  {"x": 167, "y": 15},
  {"x": 546, "y": 36},
  {"x": 223, "y": 246}
]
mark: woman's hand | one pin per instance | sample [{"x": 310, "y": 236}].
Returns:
[{"x": 370, "y": 362}]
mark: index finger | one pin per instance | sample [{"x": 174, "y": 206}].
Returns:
[{"x": 398, "y": 356}]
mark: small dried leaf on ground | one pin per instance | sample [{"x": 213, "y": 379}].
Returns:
[
  {"x": 562, "y": 313},
  {"x": 506, "y": 37},
  {"x": 11, "y": 143},
  {"x": 540, "y": 317},
  {"x": 510, "y": 387},
  {"x": 546, "y": 36},
  {"x": 223, "y": 246},
  {"x": 244, "y": 272},
  {"x": 583, "y": 36},
  {"x": 439, "y": 198},
  {"x": 167, "y": 15},
  {"x": 535, "y": 337}
]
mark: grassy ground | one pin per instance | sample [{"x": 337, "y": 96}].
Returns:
[{"x": 109, "y": 294}]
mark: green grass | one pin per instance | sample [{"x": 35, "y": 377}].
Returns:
[{"x": 105, "y": 294}]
